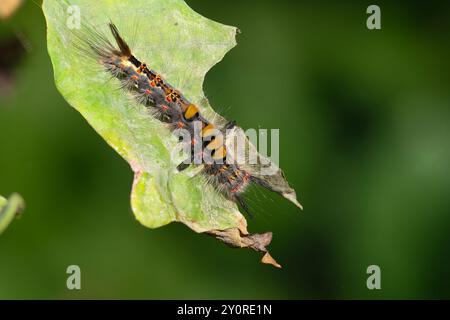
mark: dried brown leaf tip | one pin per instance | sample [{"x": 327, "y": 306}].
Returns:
[{"x": 235, "y": 238}]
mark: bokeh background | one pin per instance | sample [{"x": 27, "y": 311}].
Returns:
[{"x": 364, "y": 120}]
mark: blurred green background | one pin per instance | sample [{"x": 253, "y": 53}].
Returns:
[{"x": 364, "y": 120}]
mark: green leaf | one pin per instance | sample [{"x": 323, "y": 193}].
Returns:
[
  {"x": 9, "y": 209},
  {"x": 181, "y": 45}
]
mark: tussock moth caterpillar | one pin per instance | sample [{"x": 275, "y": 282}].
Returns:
[{"x": 168, "y": 105}]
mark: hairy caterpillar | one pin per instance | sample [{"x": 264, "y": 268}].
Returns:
[{"x": 168, "y": 105}]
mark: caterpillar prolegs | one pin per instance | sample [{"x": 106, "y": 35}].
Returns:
[{"x": 208, "y": 140}]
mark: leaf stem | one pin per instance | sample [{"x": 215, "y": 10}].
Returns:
[{"x": 9, "y": 209}]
